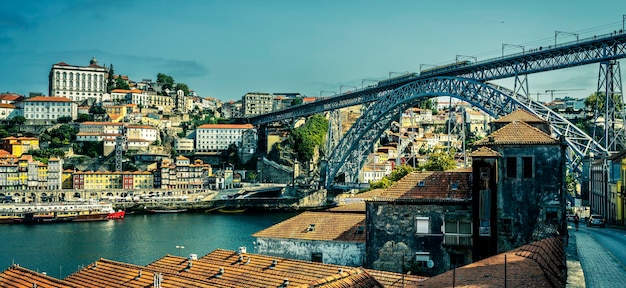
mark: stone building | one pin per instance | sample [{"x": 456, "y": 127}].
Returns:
[
  {"x": 325, "y": 237},
  {"x": 421, "y": 224},
  {"x": 519, "y": 185},
  {"x": 78, "y": 83}
]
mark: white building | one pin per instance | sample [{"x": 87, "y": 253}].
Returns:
[
  {"x": 184, "y": 145},
  {"x": 325, "y": 237},
  {"x": 217, "y": 137},
  {"x": 255, "y": 103},
  {"x": 147, "y": 133},
  {"x": 49, "y": 108},
  {"x": 55, "y": 173},
  {"x": 7, "y": 111},
  {"x": 78, "y": 83}
]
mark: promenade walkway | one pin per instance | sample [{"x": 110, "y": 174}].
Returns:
[{"x": 589, "y": 264}]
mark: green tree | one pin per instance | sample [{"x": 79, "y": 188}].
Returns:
[
  {"x": 110, "y": 83},
  {"x": 598, "y": 100},
  {"x": 440, "y": 161},
  {"x": 165, "y": 80},
  {"x": 17, "y": 121},
  {"x": 121, "y": 83},
  {"x": 97, "y": 109},
  {"x": 84, "y": 118},
  {"x": 184, "y": 87},
  {"x": 305, "y": 139},
  {"x": 64, "y": 119}
]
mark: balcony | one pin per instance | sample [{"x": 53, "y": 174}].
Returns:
[{"x": 457, "y": 239}]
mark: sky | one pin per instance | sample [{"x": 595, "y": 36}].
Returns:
[{"x": 224, "y": 49}]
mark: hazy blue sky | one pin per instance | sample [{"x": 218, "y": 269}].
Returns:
[{"x": 224, "y": 49}]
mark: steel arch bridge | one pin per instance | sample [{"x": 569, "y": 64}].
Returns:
[{"x": 494, "y": 100}]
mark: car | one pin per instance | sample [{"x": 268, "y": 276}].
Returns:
[{"x": 596, "y": 220}]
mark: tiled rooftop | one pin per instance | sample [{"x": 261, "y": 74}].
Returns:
[
  {"x": 327, "y": 227},
  {"x": 539, "y": 264},
  {"x": 521, "y": 115},
  {"x": 485, "y": 151},
  {"x": 18, "y": 277},
  {"x": 517, "y": 132},
  {"x": 430, "y": 185}
]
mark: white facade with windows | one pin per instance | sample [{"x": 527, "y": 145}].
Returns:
[
  {"x": 217, "y": 137},
  {"x": 78, "y": 83},
  {"x": 257, "y": 104},
  {"x": 49, "y": 108},
  {"x": 147, "y": 133}
]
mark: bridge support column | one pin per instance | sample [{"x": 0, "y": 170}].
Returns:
[{"x": 610, "y": 85}]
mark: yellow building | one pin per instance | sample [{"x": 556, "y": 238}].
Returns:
[
  {"x": 66, "y": 179},
  {"x": 19, "y": 145},
  {"x": 116, "y": 113},
  {"x": 142, "y": 180}
]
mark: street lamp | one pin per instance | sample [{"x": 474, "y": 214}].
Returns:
[
  {"x": 349, "y": 86},
  {"x": 179, "y": 247},
  {"x": 428, "y": 65},
  {"x": 511, "y": 45},
  {"x": 556, "y": 33},
  {"x": 324, "y": 91},
  {"x": 366, "y": 80},
  {"x": 466, "y": 57}
]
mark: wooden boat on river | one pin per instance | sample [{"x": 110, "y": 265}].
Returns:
[{"x": 32, "y": 213}]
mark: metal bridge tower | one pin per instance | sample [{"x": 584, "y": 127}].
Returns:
[{"x": 612, "y": 108}]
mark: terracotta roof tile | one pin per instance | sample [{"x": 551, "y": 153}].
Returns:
[
  {"x": 327, "y": 227},
  {"x": 430, "y": 185},
  {"x": 358, "y": 207},
  {"x": 48, "y": 99},
  {"x": 517, "y": 133},
  {"x": 16, "y": 276},
  {"x": 226, "y": 126},
  {"x": 538, "y": 264},
  {"x": 520, "y": 115},
  {"x": 484, "y": 151}
]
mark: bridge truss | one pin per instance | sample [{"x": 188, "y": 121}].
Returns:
[{"x": 494, "y": 100}]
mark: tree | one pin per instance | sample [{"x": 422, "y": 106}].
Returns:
[
  {"x": 64, "y": 119},
  {"x": 184, "y": 87},
  {"x": 440, "y": 161},
  {"x": 305, "y": 139},
  {"x": 121, "y": 83},
  {"x": 598, "y": 100},
  {"x": 17, "y": 121},
  {"x": 110, "y": 83},
  {"x": 165, "y": 80},
  {"x": 97, "y": 109}
]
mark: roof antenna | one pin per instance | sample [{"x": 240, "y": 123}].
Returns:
[
  {"x": 273, "y": 265},
  {"x": 138, "y": 275}
]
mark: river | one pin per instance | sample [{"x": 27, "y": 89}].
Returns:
[{"x": 63, "y": 248}]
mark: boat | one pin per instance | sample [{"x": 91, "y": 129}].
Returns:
[
  {"x": 119, "y": 214},
  {"x": 34, "y": 213},
  {"x": 167, "y": 210},
  {"x": 231, "y": 210}
]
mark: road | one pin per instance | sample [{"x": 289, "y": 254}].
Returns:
[{"x": 602, "y": 255}]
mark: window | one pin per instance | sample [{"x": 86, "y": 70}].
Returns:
[
  {"x": 317, "y": 257},
  {"x": 422, "y": 225},
  {"x": 454, "y": 227},
  {"x": 527, "y": 166},
  {"x": 511, "y": 167},
  {"x": 422, "y": 259}
]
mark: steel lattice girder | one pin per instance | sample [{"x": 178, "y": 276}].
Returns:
[
  {"x": 492, "y": 99},
  {"x": 583, "y": 52}
]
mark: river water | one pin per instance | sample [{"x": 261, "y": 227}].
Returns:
[{"x": 63, "y": 248}]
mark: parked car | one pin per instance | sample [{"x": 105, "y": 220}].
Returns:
[{"x": 596, "y": 220}]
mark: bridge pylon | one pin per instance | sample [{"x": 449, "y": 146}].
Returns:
[{"x": 611, "y": 107}]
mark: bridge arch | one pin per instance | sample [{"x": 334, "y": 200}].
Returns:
[{"x": 492, "y": 99}]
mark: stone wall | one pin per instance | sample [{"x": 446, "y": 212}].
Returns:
[
  {"x": 392, "y": 241},
  {"x": 333, "y": 252}
]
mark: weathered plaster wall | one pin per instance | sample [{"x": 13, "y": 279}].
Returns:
[{"x": 333, "y": 252}]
